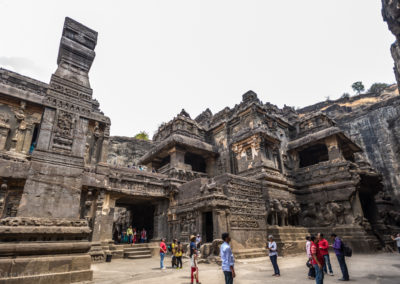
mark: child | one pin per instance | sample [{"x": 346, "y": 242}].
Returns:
[
  {"x": 178, "y": 256},
  {"x": 194, "y": 268}
]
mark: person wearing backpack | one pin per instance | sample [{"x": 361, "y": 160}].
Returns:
[{"x": 338, "y": 248}]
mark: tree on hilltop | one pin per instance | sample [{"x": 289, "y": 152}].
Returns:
[{"x": 358, "y": 87}]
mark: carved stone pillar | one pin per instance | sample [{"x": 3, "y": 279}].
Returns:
[
  {"x": 27, "y": 138},
  {"x": 333, "y": 148},
  {"x": 177, "y": 158},
  {"x": 3, "y": 136},
  {"x": 103, "y": 218}
]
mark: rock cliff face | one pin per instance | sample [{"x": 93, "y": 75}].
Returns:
[
  {"x": 373, "y": 122},
  {"x": 391, "y": 15},
  {"x": 125, "y": 151}
]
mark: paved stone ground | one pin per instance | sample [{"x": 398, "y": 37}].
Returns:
[{"x": 365, "y": 269}]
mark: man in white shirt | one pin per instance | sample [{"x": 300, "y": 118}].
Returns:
[
  {"x": 311, "y": 270},
  {"x": 273, "y": 255},
  {"x": 397, "y": 239},
  {"x": 198, "y": 241},
  {"x": 228, "y": 262}
]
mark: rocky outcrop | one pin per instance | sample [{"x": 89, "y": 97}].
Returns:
[
  {"x": 373, "y": 122},
  {"x": 391, "y": 15},
  {"x": 124, "y": 151}
]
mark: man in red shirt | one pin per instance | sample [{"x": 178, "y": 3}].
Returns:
[
  {"x": 317, "y": 260},
  {"x": 163, "y": 251},
  {"x": 323, "y": 247}
]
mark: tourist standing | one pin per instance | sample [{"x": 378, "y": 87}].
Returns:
[
  {"x": 323, "y": 247},
  {"x": 273, "y": 255},
  {"x": 163, "y": 251},
  {"x": 192, "y": 245},
  {"x": 198, "y": 241},
  {"x": 178, "y": 255},
  {"x": 311, "y": 270},
  {"x": 173, "y": 251},
  {"x": 194, "y": 270},
  {"x": 129, "y": 232},
  {"x": 143, "y": 236},
  {"x": 228, "y": 262},
  {"x": 338, "y": 248},
  {"x": 134, "y": 236},
  {"x": 397, "y": 239},
  {"x": 317, "y": 261}
]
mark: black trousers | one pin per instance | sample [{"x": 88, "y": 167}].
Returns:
[
  {"x": 179, "y": 261},
  {"x": 228, "y": 277}
]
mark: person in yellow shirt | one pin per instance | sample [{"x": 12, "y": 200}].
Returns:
[
  {"x": 173, "y": 251},
  {"x": 129, "y": 232},
  {"x": 178, "y": 255}
]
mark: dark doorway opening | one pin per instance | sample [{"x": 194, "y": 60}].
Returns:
[
  {"x": 369, "y": 187},
  {"x": 369, "y": 207},
  {"x": 197, "y": 162},
  {"x": 313, "y": 155},
  {"x": 143, "y": 217},
  {"x": 136, "y": 213},
  {"x": 34, "y": 139},
  {"x": 208, "y": 226}
]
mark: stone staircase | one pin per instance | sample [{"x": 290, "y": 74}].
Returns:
[
  {"x": 250, "y": 253},
  {"x": 138, "y": 251}
]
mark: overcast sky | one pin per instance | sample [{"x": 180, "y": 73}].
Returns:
[{"x": 156, "y": 57}]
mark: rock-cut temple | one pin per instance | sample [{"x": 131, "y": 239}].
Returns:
[{"x": 67, "y": 188}]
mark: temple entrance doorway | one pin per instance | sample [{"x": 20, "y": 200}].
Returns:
[
  {"x": 208, "y": 227},
  {"x": 369, "y": 187},
  {"x": 138, "y": 213}
]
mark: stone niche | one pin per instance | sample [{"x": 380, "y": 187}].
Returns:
[{"x": 19, "y": 125}]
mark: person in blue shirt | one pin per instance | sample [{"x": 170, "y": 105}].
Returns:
[{"x": 228, "y": 262}]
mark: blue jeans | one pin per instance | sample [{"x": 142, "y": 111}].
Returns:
[
  {"x": 130, "y": 238},
  {"x": 228, "y": 277},
  {"x": 327, "y": 264},
  {"x": 343, "y": 266},
  {"x": 162, "y": 260},
  {"x": 274, "y": 260},
  {"x": 319, "y": 275}
]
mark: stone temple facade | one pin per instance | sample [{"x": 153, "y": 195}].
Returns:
[{"x": 67, "y": 187}]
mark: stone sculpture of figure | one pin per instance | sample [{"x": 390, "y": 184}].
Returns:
[
  {"x": 96, "y": 144},
  {"x": 284, "y": 213},
  {"x": 271, "y": 216},
  {"x": 329, "y": 218},
  {"x": 294, "y": 211},
  {"x": 278, "y": 211},
  {"x": 21, "y": 126},
  {"x": 338, "y": 210},
  {"x": 309, "y": 217}
]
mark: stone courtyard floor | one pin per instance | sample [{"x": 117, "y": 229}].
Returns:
[{"x": 365, "y": 269}]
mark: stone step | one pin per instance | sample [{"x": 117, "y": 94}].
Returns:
[
  {"x": 137, "y": 250},
  {"x": 250, "y": 253},
  {"x": 131, "y": 255}
]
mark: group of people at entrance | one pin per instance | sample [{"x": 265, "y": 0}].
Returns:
[{"x": 133, "y": 236}]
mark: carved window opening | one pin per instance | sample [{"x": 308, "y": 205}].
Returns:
[
  {"x": 313, "y": 155},
  {"x": 196, "y": 161},
  {"x": 249, "y": 154}
]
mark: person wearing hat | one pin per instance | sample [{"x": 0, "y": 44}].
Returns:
[
  {"x": 198, "y": 241},
  {"x": 273, "y": 255},
  {"x": 192, "y": 245}
]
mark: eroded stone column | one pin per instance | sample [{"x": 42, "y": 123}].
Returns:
[{"x": 333, "y": 148}]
